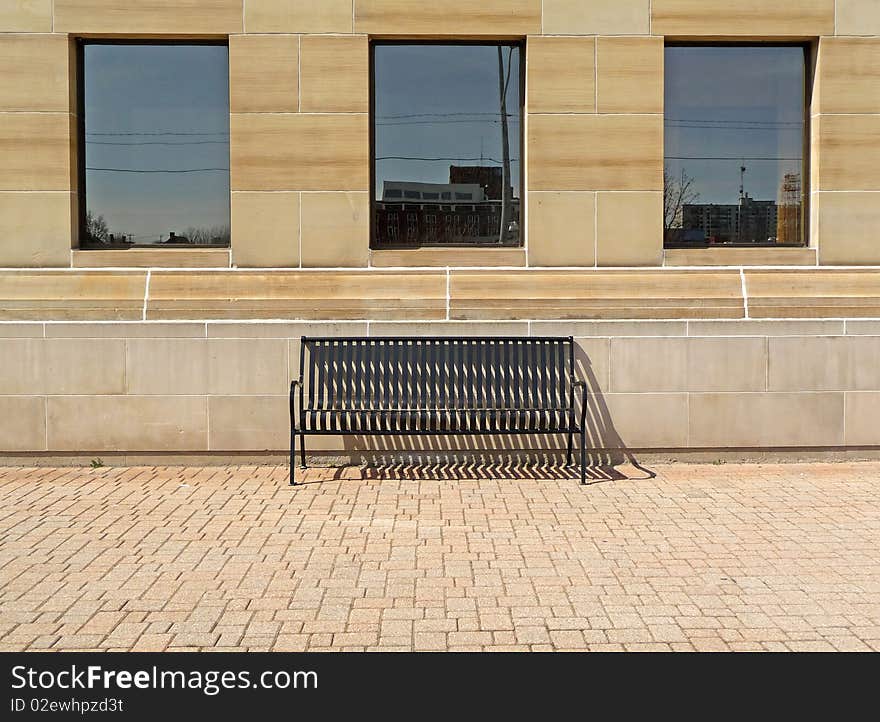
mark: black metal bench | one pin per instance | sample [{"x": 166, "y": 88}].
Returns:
[{"x": 446, "y": 385}]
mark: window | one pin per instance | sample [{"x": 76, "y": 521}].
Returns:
[
  {"x": 154, "y": 140},
  {"x": 446, "y": 125},
  {"x": 735, "y": 145}
]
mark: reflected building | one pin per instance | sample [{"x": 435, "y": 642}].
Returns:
[
  {"x": 445, "y": 119},
  {"x": 466, "y": 210},
  {"x": 789, "y": 228},
  {"x": 749, "y": 221}
]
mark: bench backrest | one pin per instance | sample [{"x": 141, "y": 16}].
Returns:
[{"x": 444, "y": 372}]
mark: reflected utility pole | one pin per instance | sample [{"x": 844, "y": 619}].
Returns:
[
  {"x": 742, "y": 195},
  {"x": 503, "y": 82}
]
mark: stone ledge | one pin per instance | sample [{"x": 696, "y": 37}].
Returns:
[
  {"x": 739, "y": 257},
  {"x": 813, "y": 293},
  {"x": 354, "y": 295},
  {"x": 72, "y": 296},
  {"x": 595, "y": 294},
  {"x": 417, "y": 295},
  {"x": 158, "y": 257}
]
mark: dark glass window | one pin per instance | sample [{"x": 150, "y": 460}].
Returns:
[
  {"x": 447, "y": 124},
  {"x": 735, "y": 137},
  {"x": 155, "y": 144}
]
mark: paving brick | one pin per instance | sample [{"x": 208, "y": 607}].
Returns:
[{"x": 700, "y": 557}]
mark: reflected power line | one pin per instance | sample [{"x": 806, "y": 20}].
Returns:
[
  {"x": 158, "y": 170},
  {"x": 445, "y": 122},
  {"x": 741, "y": 120},
  {"x": 442, "y": 115},
  {"x": 411, "y": 157},
  {"x": 159, "y": 142},
  {"x": 155, "y": 133},
  {"x": 738, "y": 158}
]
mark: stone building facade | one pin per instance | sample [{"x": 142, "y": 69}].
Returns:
[{"x": 188, "y": 352}]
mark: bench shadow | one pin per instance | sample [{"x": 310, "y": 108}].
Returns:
[
  {"x": 532, "y": 456},
  {"x": 477, "y": 471}
]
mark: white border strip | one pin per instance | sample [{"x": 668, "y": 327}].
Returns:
[
  {"x": 146, "y": 293},
  {"x": 586, "y": 270}
]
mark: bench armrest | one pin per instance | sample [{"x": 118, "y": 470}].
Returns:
[
  {"x": 582, "y": 385},
  {"x": 294, "y": 385}
]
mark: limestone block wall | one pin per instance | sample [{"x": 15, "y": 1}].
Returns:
[
  {"x": 199, "y": 362},
  {"x": 299, "y": 77},
  {"x": 133, "y": 390},
  {"x": 190, "y": 351}
]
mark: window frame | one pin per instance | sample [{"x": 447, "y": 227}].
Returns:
[
  {"x": 809, "y": 52},
  {"x": 82, "y": 206},
  {"x": 518, "y": 42}
]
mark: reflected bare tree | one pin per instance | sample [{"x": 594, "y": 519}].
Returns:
[
  {"x": 677, "y": 193},
  {"x": 207, "y": 235}
]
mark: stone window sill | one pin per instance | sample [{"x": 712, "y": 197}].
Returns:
[
  {"x": 152, "y": 258},
  {"x": 440, "y": 257},
  {"x": 739, "y": 257}
]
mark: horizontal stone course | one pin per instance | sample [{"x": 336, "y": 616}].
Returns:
[
  {"x": 766, "y": 420},
  {"x": 24, "y": 423},
  {"x": 192, "y": 17},
  {"x": 452, "y": 17},
  {"x": 688, "y": 364},
  {"x": 61, "y": 366},
  {"x": 221, "y": 386},
  {"x": 403, "y": 294},
  {"x": 335, "y": 295},
  {"x": 824, "y": 363},
  {"x": 773, "y": 356},
  {"x": 596, "y": 294},
  {"x": 138, "y": 423},
  {"x": 754, "y": 18},
  {"x": 802, "y": 293},
  {"x": 29, "y": 16},
  {"x": 85, "y": 295}
]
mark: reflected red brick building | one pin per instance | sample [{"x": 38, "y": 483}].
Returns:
[{"x": 466, "y": 210}]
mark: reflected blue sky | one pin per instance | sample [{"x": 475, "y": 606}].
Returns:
[
  {"x": 442, "y": 101},
  {"x": 157, "y": 107},
  {"x": 734, "y": 102}
]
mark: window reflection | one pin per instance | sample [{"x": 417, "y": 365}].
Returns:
[
  {"x": 735, "y": 124},
  {"x": 156, "y": 144},
  {"x": 447, "y": 125}
]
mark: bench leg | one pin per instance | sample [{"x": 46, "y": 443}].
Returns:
[
  {"x": 292, "y": 464},
  {"x": 583, "y": 458},
  {"x": 302, "y": 451},
  {"x": 568, "y": 455}
]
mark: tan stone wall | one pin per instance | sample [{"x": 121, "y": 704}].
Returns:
[
  {"x": 846, "y": 119},
  {"x": 37, "y": 128},
  {"x": 299, "y": 78},
  {"x": 170, "y": 350},
  {"x": 195, "y": 387}
]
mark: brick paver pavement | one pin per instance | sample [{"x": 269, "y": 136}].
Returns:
[{"x": 706, "y": 557}]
